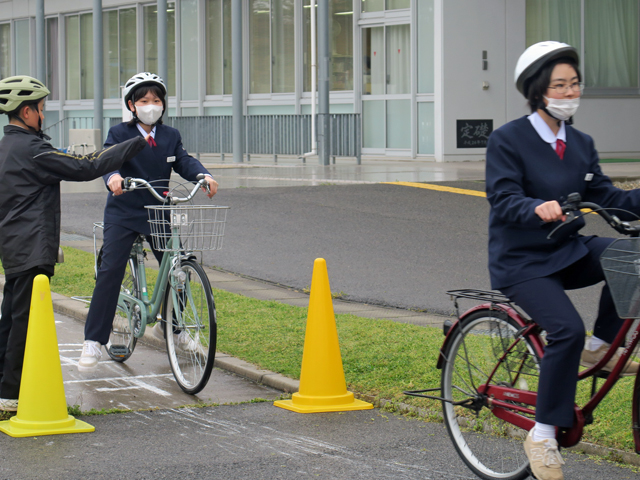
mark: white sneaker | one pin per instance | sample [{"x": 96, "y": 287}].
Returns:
[
  {"x": 91, "y": 353},
  {"x": 188, "y": 344},
  {"x": 8, "y": 404}
]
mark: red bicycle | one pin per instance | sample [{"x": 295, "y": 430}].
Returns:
[{"x": 490, "y": 364}]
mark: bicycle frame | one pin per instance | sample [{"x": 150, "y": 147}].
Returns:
[
  {"x": 150, "y": 308},
  {"x": 501, "y": 398}
]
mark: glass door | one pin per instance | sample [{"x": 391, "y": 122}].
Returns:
[{"x": 386, "y": 89}]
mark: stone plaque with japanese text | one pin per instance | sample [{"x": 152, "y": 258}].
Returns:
[{"x": 473, "y": 133}]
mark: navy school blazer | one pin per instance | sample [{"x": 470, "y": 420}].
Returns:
[
  {"x": 153, "y": 163},
  {"x": 522, "y": 172}
]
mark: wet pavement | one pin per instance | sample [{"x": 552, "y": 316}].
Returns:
[
  {"x": 145, "y": 380},
  {"x": 263, "y": 172}
]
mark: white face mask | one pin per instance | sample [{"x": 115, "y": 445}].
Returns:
[
  {"x": 562, "y": 108},
  {"x": 149, "y": 114}
]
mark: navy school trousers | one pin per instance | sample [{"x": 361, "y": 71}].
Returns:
[
  {"x": 116, "y": 248},
  {"x": 546, "y": 302}
]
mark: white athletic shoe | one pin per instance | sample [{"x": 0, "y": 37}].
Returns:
[
  {"x": 188, "y": 344},
  {"x": 91, "y": 353}
]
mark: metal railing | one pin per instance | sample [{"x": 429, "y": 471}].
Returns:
[
  {"x": 59, "y": 131},
  {"x": 264, "y": 134}
]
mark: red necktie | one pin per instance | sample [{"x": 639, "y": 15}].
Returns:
[
  {"x": 560, "y": 148},
  {"x": 152, "y": 142}
]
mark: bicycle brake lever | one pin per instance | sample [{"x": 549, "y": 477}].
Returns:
[{"x": 570, "y": 218}]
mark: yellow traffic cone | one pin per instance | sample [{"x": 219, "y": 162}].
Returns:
[
  {"x": 42, "y": 406},
  {"x": 322, "y": 384}
]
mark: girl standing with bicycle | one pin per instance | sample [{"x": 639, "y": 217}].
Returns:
[
  {"x": 532, "y": 164},
  {"x": 125, "y": 216}
]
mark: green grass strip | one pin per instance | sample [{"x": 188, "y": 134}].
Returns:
[
  {"x": 380, "y": 357},
  {"x": 619, "y": 160}
]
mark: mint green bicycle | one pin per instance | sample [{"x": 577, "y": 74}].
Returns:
[{"x": 182, "y": 299}]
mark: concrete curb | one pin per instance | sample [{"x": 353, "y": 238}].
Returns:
[{"x": 78, "y": 311}]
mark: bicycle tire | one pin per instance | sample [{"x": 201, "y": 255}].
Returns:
[
  {"x": 122, "y": 341},
  {"x": 492, "y": 448},
  {"x": 192, "y": 314}
]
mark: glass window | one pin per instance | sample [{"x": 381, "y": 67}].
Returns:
[
  {"x": 611, "y": 44},
  {"x": 426, "y": 128},
  {"x": 214, "y": 33},
  {"x": 259, "y": 47},
  {"x": 306, "y": 45},
  {"x": 227, "y": 47},
  {"x": 372, "y": 5},
  {"x": 22, "y": 47},
  {"x": 373, "y": 69},
  {"x": 398, "y": 124},
  {"x": 111, "y": 54},
  {"x": 151, "y": 44},
  {"x": 189, "y": 49},
  {"x": 553, "y": 20},
  {"x": 53, "y": 84},
  {"x": 73, "y": 57},
  {"x": 341, "y": 45},
  {"x": 425, "y": 47},
  {"x": 373, "y": 129},
  {"x": 398, "y": 59},
  {"x": 5, "y": 50},
  {"x": 86, "y": 56},
  {"x": 610, "y": 32},
  {"x": 379, "y": 5},
  {"x": 150, "y": 21},
  {"x": 127, "y": 37},
  {"x": 282, "y": 46}
]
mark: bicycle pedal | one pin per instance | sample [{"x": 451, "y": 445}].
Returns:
[{"x": 119, "y": 350}]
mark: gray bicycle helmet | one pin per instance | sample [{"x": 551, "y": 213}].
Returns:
[
  {"x": 535, "y": 57},
  {"x": 21, "y": 88},
  {"x": 139, "y": 80}
]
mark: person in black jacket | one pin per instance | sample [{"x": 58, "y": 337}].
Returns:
[
  {"x": 30, "y": 174},
  {"x": 124, "y": 215}
]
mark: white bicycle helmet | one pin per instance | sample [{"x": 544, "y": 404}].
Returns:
[
  {"x": 139, "y": 80},
  {"x": 535, "y": 57}
]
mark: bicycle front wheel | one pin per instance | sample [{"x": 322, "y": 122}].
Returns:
[
  {"x": 191, "y": 327},
  {"x": 492, "y": 448},
  {"x": 122, "y": 341}
]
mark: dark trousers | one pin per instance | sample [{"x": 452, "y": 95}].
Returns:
[
  {"x": 13, "y": 330},
  {"x": 116, "y": 248},
  {"x": 545, "y": 300}
]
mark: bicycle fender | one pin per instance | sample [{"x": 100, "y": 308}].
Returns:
[{"x": 484, "y": 306}]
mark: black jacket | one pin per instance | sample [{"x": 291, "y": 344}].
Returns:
[{"x": 30, "y": 174}]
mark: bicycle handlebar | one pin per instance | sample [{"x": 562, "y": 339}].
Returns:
[
  {"x": 574, "y": 203},
  {"x": 130, "y": 183}
]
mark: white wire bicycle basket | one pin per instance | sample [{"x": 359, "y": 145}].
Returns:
[
  {"x": 200, "y": 227},
  {"x": 621, "y": 265}
]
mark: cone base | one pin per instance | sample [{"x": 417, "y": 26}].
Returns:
[
  {"x": 14, "y": 427},
  {"x": 294, "y": 407}
]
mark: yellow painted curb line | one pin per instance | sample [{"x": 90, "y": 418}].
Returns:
[{"x": 440, "y": 188}]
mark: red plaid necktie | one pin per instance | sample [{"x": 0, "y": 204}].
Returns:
[
  {"x": 152, "y": 142},
  {"x": 560, "y": 148}
]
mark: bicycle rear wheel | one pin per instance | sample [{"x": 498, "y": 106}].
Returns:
[
  {"x": 122, "y": 341},
  {"x": 492, "y": 448},
  {"x": 191, "y": 328}
]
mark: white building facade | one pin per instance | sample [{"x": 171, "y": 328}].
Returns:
[{"x": 430, "y": 78}]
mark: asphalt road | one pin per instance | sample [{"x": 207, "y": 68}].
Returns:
[
  {"x": 384, "y": 244},
  {"x": 254, "y": 441}
]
